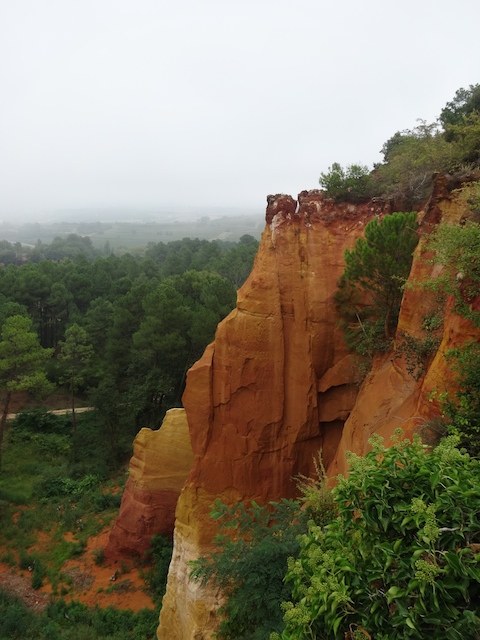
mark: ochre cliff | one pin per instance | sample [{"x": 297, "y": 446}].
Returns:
[
  {"x": 275, "y": 387},
  {"x": 160, "y": 464},
  {"x": 278, "y": 384}
]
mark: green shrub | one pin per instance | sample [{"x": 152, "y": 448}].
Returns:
[
  {"x": 102, "y": 501},
  {"x": 8, "y": 558},
  {"x": 16, "y": 621},
  {"x": 463, "y": 408},
  {"x": 417, "y": 352},
  {"x": 99, "y": 555},
  {"x": 354, "y": 183},
  {"x": 249, "y": 565},
  {"x": 26, "y": 560},
  {"x": 38, "y": 573},
  {"x": 370, "y": 291},
  {"x": 65, "y": 486},
  {"x": 15, "y": 491},
  {"x": 457, "y": 249},
  {"x": 76, "y": 621},
  {"x": 52, "y": 445},
  {"x": 40, "y": 421},
  {"x": 250, "y": 560},
  {"x": 159, "y": 556},
  {"x": 401, "y": 560}
]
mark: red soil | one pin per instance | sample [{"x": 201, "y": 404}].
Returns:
[{"x": 117, "y": 584}]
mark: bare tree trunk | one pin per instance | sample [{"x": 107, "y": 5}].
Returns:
[
  {"x": 3, "y": 422},
  {"x": 388, "y": 317},
  {"x": 72, "y": 401}
]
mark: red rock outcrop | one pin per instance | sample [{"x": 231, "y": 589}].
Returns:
[
  {"x": 159, "y": 467},
  {"x": 275, "y": 387},
  {"x": 278, "y": 384}
]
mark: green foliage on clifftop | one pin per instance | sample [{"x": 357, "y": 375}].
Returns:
[{"x": 412, "y": 156}]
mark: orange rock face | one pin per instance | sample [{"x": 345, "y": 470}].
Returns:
[
  {"x": 160, "y": 464},
  {"x": 278, "y": 383},
  {"x": 261, "y": 401}
]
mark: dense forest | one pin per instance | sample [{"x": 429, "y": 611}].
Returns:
[
  {"x": 116, "y": 333},
  {"x": 122, "y": 327},
  {"x": 120, "y": 331}
]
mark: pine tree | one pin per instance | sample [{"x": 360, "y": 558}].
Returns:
[
  {"x": 75, "y": 355},
  {"x": 22, "y": 362},
  {"x": 380, "y": 263}
]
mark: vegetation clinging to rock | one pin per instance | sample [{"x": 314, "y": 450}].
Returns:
[
  {"x": 412, "y": 156},
  {"x": 370, "y": 290}
]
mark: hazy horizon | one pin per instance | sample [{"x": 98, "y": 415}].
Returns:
[
  {"x": 131, "y": 214},
  {"x": 155, "y": 105}
]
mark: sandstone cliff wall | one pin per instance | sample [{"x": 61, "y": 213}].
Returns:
[
  {"x": 275, "y": 387},
  {"x": 278, "y": 384},
  {"x": 158, "y": 469},
  {"x": 390, "y": 397}
]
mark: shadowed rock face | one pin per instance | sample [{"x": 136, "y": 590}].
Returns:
[{"x": 160, "y": 464}]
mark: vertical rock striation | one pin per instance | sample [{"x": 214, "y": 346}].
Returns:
[{"x": 390, "y": 396}]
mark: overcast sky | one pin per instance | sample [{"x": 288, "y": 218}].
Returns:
[{"x": 145, "y": 103}]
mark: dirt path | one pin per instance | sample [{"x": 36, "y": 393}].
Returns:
[
  {"x": 57, "y": 412},
  {"x": 19, "y": 585}
]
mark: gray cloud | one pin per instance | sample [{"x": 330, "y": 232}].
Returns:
[{"x": 213, "y": 102}]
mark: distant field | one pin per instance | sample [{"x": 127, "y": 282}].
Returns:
[{"x": 128, "y": 235}]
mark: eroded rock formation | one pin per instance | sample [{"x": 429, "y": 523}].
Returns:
[
  {"x": 160, "y": 464},
  {"x": 278, "y": 383},
  {"x": 275, "y": 387}
]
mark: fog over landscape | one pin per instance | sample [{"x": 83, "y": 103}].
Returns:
[{"x": 206, "y": 107}]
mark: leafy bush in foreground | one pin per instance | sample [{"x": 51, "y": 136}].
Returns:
[
  {"x": 249, "y": 565},
  {"x": 402, "y": 559},
  {"x": 253, "y": 546}
]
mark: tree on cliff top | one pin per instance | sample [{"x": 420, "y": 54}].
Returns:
[
  {"x": 412, "y": 156},
  {"x": 371, "y": 288},
  {"x": 465, "y": 102},
  {"x": 354, "y": 183},
  {"x": 21, "y": 363}
]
